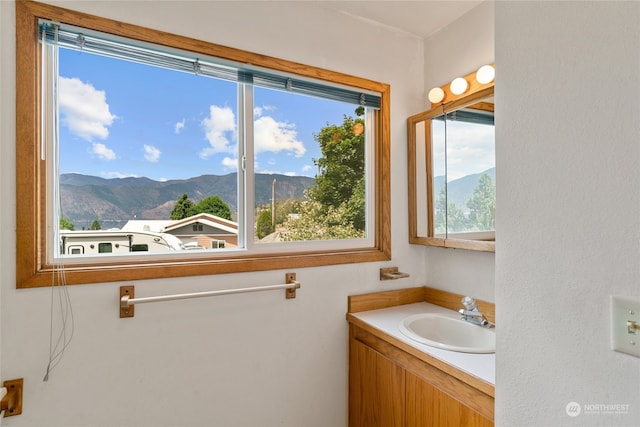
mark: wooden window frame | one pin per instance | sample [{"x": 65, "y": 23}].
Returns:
[{"x": 32, "y": 267}]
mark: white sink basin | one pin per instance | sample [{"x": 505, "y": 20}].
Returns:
[{"x": 448, "y": 333}]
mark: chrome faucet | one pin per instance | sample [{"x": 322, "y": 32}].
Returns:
[{"x": 471, "y": 314}]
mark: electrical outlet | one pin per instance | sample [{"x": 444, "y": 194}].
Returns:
[{"x": 625, "y": 325}]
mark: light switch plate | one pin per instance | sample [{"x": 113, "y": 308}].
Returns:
[{"x": 625, "y": 325}]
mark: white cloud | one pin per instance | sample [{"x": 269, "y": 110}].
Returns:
[
  {"x": 219, "y": 127},
  {"x": 103, "y": 151},
  {"x": 84, "y": 109},
  {"x": 470, "y": 149},
  {"x": 151, "y": 153},
  {"x": 269, "y": 134},
  {"x": 268, "y": 172},
  {"x": 307, "y": 168},
  {"x": 259, "y": 111},
  {"x": 116, "y": 174},
  {"x": 179, "y": 126},
  {"x": 275, "y": 172},
  {"x": 274, "y": 136},
  {"x": 230, "y": 163}
]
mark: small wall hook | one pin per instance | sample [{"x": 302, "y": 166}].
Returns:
[{"x": 392, "y": 273}]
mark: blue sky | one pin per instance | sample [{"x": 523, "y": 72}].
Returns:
[
  {"x": 470, "y": 148},
  {"x": 121, "y": 119}
]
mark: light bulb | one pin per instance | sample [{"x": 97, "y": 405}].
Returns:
[
  {"x": 485, "y": 74},
  {"x": 436, "y": 95},
  {"x": 459, "y": 86}
]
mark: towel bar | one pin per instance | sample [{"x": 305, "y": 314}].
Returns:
[{"x": 127, "y": 299}]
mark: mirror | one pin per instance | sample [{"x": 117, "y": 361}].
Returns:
[{"x": 452, "y": 172}]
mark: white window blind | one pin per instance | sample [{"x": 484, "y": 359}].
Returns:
[{"x": 112, "y": 46}]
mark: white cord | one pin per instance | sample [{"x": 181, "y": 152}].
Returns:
[{"x": 58, "y": 279}]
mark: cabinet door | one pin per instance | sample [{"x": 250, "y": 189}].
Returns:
[
  {"x": 376, "y": 388},
  {"x": 428, "y": 406}
]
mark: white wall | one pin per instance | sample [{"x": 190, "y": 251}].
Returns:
[
  {"x": 461, "y": 47},
  {"x": 243, "y": 360},
  {"x": 4, "y": 177},
  {"x": 568, "y": 150},
  {"x": 457, "y": 50}
]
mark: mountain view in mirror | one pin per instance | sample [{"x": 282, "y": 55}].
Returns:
[{"x": 452, "y": 173}]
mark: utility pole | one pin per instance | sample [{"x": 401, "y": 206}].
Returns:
[{"x": 273, "y": 205}]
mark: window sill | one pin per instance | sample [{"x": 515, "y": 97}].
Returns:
[{"x": 198, "y": 266}]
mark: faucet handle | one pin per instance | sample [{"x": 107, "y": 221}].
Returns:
[{"x": 469, "y": 303}]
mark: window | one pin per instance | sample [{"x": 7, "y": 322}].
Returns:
[
  {"x": 249, "y": 120},
  {"x": 105, "y": 248},
  {"x": 218, "y": 244}
]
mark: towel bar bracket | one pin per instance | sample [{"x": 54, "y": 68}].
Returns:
[
  {"x": 11, "y": 403},
  {"x": 291, "y": 292},
  {"x": 126, "y": 309}
]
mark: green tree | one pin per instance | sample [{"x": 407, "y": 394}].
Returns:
[
  {"x": 315, "y": 222},
  {"x": 65, "y": 224},
  {"x": 286, "y": 207},
  {"x": 340, "y": 182},
  {"x": 95, "y": 225},
  {"x": 182, "y": 208},
  {"x": 264, "y": 225},
  {"x": 213, "y": 205},
  {"x": 482, "y": 205},
  {"x": 448, "y": 217}
]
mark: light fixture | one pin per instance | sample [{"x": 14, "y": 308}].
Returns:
[
  {"x": 485, "y": 74},
  {"x": 436, "y": 95},
  {"x": 459, "y": 86}
]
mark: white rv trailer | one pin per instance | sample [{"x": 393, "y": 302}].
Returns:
[{"x": 92, "y": 242}]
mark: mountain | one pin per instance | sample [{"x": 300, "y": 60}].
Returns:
[
  {"x": 114, "y": 201},
  {"x": 460, "y": 190}
]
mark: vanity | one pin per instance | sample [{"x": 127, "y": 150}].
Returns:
[
  {"x": 395, "y": 380},
  {"x": 422, "y": 356}
]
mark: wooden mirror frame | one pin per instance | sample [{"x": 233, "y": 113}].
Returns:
[{"x": 475, "y": 94}]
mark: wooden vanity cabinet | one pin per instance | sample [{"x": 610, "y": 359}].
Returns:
[
  {"x": 376, "y": 388},
  {"x": 389, "y": 387},
  {"x": 427, "y": 405}
]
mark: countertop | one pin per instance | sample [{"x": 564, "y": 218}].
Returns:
[{"x": 387, "y": 320}]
